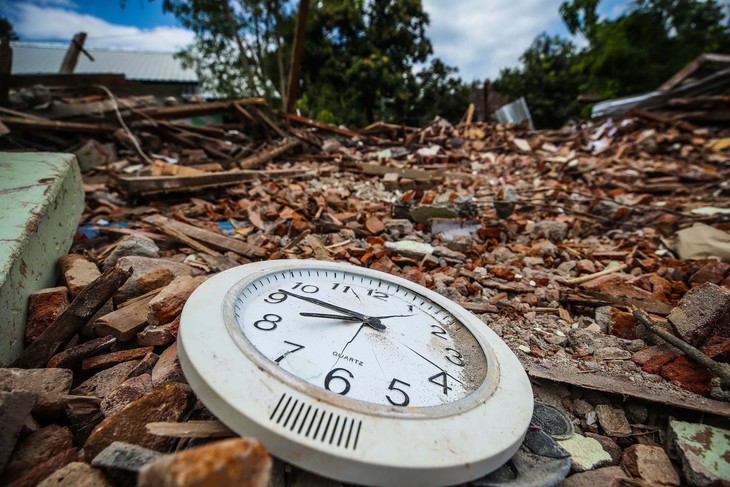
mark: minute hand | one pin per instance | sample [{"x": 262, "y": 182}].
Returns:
[{"x": 325, "y": 304}]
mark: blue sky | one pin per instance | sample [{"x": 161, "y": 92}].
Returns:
[{"x": 480, "y": 37}]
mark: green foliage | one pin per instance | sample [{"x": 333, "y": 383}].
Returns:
[
  {"x": 631, "y": 54},
  {"x": 358, "y": 62},
  {"x": 546, "y": 79},
  {"x": 6, "y": 30}
]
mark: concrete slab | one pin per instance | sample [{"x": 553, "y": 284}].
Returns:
[{"x": 41, "y": 200}]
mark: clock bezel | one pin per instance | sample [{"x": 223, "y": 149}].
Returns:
[{"x": 466, "y": 319}]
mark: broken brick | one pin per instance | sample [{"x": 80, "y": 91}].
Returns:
[{"x": 44, "y": 307}]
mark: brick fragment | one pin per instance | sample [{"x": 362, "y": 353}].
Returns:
[
  {"x": 702, "y": 312},
  {"x": 44, "y": 307},
  {"x": 649, "y": 463},
  {"x": 238, "y": 461},
  {"x": 77, "y": 272},
  {"x": 168, "y": 304},
  {"x": 105, "y": 361},
  {"x": 76, "y": 474},
  {"x": 73, "y": 356}
]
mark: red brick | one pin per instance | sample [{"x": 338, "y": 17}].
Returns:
[
  {"x": 44, "y": 307},
  {"x": 689, "y": 375}
]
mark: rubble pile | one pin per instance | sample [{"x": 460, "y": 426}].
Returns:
[{"x": 579, "y": 247}]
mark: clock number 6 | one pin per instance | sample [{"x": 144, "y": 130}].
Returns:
[
  {"x": 456, "y": 359},
  {"x": 392, "y": 387},
  {"x": 271, "y": 319},
  {"x": 331, "y": 376}
]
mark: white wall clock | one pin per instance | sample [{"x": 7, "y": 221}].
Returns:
[{"x": 354, "y": 374}]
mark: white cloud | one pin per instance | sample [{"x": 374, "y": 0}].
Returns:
[
  {"x": 480, "y": 37},
  {"x": 35, "y": 22}
]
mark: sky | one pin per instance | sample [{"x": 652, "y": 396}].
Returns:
[{"x": 479, "y": 37}]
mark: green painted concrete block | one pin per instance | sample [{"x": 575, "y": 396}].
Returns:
[{"x": 41, "y": 200}]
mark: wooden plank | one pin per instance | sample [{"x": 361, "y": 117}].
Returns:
[
  {"x": 191, "y": 429},
  {"x": 193, "y": 109},
  {"x": 660, "y": 392},
  {"x": 418, "y": 174},
  {"x": 84, "y": 306},
  {"x": 131, "y": 185},
  {"x": 212, "y": 239},
  {"x": 263, "y": 157},
  {"x": 593, "y": 298},
  {"x": 56, "y": 126},
  {"x": 320, "y": 125}
]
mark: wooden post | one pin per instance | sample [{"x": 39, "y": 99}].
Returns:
[
  {"x": 296, "y": 57},
  {"x": 72, "y": 53},
  {"x": 487, "y": 89},
  {"x": 6, "y": 65}
]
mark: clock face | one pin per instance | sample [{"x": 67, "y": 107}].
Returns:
[{"x": 364, "y": 338}]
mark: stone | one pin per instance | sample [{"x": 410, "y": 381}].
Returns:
[
  {"x": 703, "y": 450},
  {"x": 71, "y": 357},
  {"x": 44, "y": 307},
  {"x": 611, "y": 353},
  {"x": 34, "y": 476},
  {"x": 131, "y": 245},
  {"x": 610, "y": 446},
  {"x": 613, "y": 420},
  {"x": 101, "y": 362},
  {"x": 585, "y": 266},
  {"x": 155, "y": 335},
  {"x": 77, "y": 272},
  {"x": 586, "y": 453},
  {"x": 126, "y": 392},
  {"x": 125, "y": 456},
  {"x": 703, "y": 311},
  {"x": 76, "y": 474},
  {"x": 93, "y": 154},
  {"x": 166, "y": 403},
  {"x": 145, "y": 365},
  {"x": 102, "y": 383},
  {"x": 48, "y": 384},
  {"x": 42, "y": 198},
  {"x": 302, "y": 478},
  {"x": 581, "y": 408},
  {"x": 554, "y": 231},
  {"x": 36, "y": 448},
  {"x": 637, "y": 412},
  {"x": 168, "y": 304},
  {"x": 374, "y": 225},
  {"x": 595, "y": 478},
  {"x": 410, "y": 248},
  {"x": 649, "y": 463},
  {"x": 238, "y": 461},
  {"x": 167, "y": 369},
  {"x": 125, "y": 322},
  {"x": 15, "y": 408},
  {"x": 149, "y": 274},
  {"x": 425, "y": 213},
  {"x": 689, "y": 375},
  {"x": 447, "y": 253},
  {"x": 713, "y": 272}
]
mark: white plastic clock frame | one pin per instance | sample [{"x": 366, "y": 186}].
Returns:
[{"x": 350, "y": 440}]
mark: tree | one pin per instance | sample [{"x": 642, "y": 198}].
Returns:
[
  {"x": 546, "y": 78},
  {"x": 6, "y": 30},
  {"x": 358, "y": 63}
]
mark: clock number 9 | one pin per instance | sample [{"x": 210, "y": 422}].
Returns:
[
  {"x": 392, "y": 387},
  {"x": 271, "y": 319},
  {"x": 276, "y": 298},
  {"x": 331, "y": 376}
]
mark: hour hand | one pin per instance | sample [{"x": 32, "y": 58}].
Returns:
[
  {"x": 324, "y": 304},
  {"x": 372, "y": 322},
  {"x": 334, "y": 317}
]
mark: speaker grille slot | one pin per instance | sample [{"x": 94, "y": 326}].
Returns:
[{"x": 316, "y": 423}]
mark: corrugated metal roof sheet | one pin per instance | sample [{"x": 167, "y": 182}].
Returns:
[{"x": 135, "y": 65}]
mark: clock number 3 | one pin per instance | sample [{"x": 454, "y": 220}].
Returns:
[
  {"x": 456, "y": 358},
  {"x": 331, "y": 377},
  {"x": 268, "y": 322},
  {"x": 392, "y": 387}
]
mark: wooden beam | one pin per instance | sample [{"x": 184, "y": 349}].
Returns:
[
  {"x": 212, "y": 239},
  {"x": 263, "y": 157},
  {"x": 320, "y": 125},
  {"x": 72, "y": 54},
  {"x": 193, "y": 109},
  {"x": 55, "y": 79},
  {"x": 296, "y": 58},
  {"x": 56, "y": 126},
  {"x": 6, "y": 64}
]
